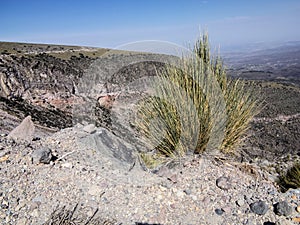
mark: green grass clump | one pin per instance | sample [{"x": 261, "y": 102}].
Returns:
[
  {"x": 291, "y": 179},
  {"x": 197, "y": 107}
]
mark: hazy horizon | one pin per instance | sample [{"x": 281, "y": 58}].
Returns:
[{"x": 109, "y": 24}]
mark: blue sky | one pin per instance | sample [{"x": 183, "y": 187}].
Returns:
[{"x": 111, "y": 23}]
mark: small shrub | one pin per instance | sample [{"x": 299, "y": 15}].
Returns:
[
  {"x": 5, "y": 52},
  {"x": 291, "y": 179}
]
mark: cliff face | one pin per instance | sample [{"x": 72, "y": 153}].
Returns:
[
  {"x": 29, "y": 77},
  {"x": 40, "y": 85},
  {"x": 43, "y": 81}
]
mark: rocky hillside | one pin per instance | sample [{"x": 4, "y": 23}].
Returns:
[
  {"x": 41, "y": 85},
  {"x": 84, "y": 148},
  {"x": 50, "y": 82},
  {"x": 81, "y": 174},
  {"x": 43, "y": 78}
]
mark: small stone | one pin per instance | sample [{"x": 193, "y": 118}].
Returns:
[
  {"x": 223, "y": 183},
  {"x": 249, "y": 199},
  {"x": 187, "y": 191},
  {"x": 186, "y": 164},
  {"x": 38, "y": 199},
  {"x": 206, "y": 200},
  {"x": 298, "y": 209},
  {"x": 282, "y": 221},
  {"x": 163, "y": 172},
  {"x": 248, "y": 222},
  {"x": 91, "y": 128},
  {"x": 162, "y": 188},
  {"x": 173, "y": 178},
  {"x": 180, "y": 194},
  {"x": 259, "y": 207},
  {"x": 4, "y": 204},
  {"x": 159, "y": 197},
  {"x": 67, "y": 165},
  {"x": 226, "y": 209},
  {"x": 22, "y": 221},
  {"x": 94, "y": 190},
  {"x": 42, "y": 155},
  {"x": 20, "y": 205},
  {"x": 219, "y": 212},
  {"x": 272, "y": 192},
  {"x": 7, "y": 219},
  {"x": 240, "y": 202},
  {"x": 35, "y": 213},
  {"x": 105, "y": 200},
  {"x": 194, "y": 197},
  {"x": 269, "y": 223},
  {"x": 173, "y": 205},
  {"x": 33, "y": 206},
  {"x": 4, "y": 158},
  {"x": 296, "y": 219},
  {"x": 282, "y": 209},
  {"x": 90, "y": 213},
  {"x": 294, "y": 191}
]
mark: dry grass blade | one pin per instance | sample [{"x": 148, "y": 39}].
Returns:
[
  {"x": 62, "y": 216},
  {"x": 241, "y": 106}
]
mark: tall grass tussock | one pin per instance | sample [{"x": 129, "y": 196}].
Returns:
[{"x": 197, "y": 108}]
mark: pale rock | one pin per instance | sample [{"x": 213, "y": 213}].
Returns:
[
  {"x": 22, "y": 221},
  {"x": 23, "y": 132},
  {"x": 223, "y": 183},
  {"x": 90, "y": 128},
  {"x": 67, "y": 165},
  {"x": 94, "y": 190}
]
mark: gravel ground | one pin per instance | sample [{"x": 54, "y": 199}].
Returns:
[{"x": 199, "y": 190}]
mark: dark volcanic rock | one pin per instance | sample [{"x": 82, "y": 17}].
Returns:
[
  {"x": 219, "y": 212},
  {"x": 283, "y": 208},
  {"x": 42, "y": 155},
  {"x": 259, "y": 207}
]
